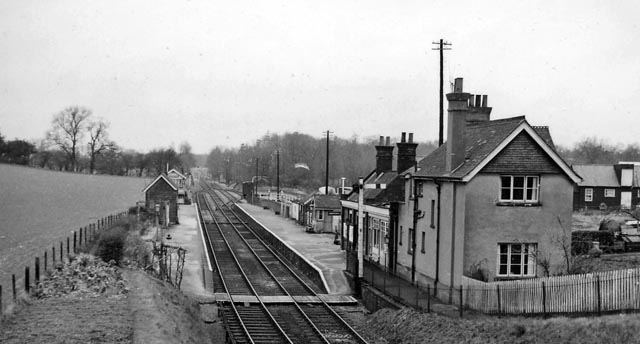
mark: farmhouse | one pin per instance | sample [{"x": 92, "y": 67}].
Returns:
[
  {"x": 161, "y": 199},
  {"x": 491, "y": 203},
  {"x": 608, "y": 186}
]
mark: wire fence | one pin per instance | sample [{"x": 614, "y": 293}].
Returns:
[{"x": 21, "y": 284}]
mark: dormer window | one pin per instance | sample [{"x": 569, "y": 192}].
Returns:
[{"x": 519, "y": 189}]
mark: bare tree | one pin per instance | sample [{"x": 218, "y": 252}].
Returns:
[
  {"x": 98, "y": 141},
  {"x": 67, "y": 131},
  {"x": 186, "y": 156}
]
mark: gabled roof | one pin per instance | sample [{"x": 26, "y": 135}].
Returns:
[
  {"x": 158, "y": 178},
  {"x": 176, "y": 172},
  {"x": 597, "y": 175},
  {"x": 392, "y": 192},
  {"x": 485, "y": 140}
]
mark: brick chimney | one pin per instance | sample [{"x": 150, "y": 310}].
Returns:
[
  {"x": 406, "y": 153},
  {"x": 384, "y": 156},
  {"x": 464, "y": 108}
]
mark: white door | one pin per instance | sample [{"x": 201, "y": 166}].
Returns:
[{"x": 625, "y": 199}]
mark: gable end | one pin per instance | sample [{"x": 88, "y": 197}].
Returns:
[{"x": 522, "y": 155}]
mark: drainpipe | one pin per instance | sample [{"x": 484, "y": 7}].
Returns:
[
  {"x": 415, "y": 223},
  {"x": 435, "y": 282}
]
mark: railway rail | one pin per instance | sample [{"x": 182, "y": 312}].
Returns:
[{"x": 268, "y": 302}]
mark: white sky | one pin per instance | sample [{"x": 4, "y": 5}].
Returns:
[{"x": 227, "y": 72}]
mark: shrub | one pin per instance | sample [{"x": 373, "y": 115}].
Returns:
[
  {"x": 136, "y": 249},
  {"x": 110, "y": 245}
]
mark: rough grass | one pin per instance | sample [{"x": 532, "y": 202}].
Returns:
[{"x": 409, "y": 326}]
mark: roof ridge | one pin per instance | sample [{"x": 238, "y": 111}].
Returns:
[{"x": 497, "y": 121}]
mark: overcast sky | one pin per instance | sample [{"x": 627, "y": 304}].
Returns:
[{"x": 227, "y": 72}]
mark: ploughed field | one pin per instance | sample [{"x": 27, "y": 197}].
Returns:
[{"x": 40, "y": 208}]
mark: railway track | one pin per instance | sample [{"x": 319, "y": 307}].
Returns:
[{"x": 264, "y": 293}]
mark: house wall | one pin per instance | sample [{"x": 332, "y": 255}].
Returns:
[
  {"x": 443, "y": 247},
  {"x": 598, "y": 197},
  {"x": 161, "y": 192},
  {"x": 489, "y": 224}
]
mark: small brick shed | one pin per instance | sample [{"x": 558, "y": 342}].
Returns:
[{"x": 161, "y": 190}]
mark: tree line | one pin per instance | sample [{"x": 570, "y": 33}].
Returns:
[
  {"x": 302, "y": 160},
  {"x": 78, "y": 141}
]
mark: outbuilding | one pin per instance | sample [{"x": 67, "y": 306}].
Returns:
[{"x": 161, "y": 198}]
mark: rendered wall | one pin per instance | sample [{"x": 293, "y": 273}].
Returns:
[{"x": 488, "y": 224}]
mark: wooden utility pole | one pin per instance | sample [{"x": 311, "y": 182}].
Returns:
[
  {"x": 326, "y": 178},
  {"x": 278, "y": 174},
  {"x": 442, "y": 46}
]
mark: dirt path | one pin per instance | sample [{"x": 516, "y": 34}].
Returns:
[{"x": 150, "y": 312}]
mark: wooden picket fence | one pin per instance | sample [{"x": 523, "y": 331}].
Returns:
[{"x": 610, "y": 291}]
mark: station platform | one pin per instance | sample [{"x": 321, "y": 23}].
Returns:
[{"x": 317, "y": 248}]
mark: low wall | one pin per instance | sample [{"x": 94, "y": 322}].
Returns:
[
  {"x": 273, "y": 205},
  {"x": 284, "y": 250},
  {"x": 374, "y": 300}
]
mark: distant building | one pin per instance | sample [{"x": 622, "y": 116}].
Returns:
[
  {"x": 608, "y": 186},
  {"x": 321, "y": 213},
  {"x": 161, "y": 199},
  {"x": 182, "y": 182}
]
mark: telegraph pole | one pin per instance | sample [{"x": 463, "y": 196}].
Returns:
[
  {"x": 278, "y": 174},
  {"x": 326, "y": 178},
  {"x": 442, "y": 46}
]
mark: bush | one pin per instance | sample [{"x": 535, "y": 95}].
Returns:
[{"x": 110, "y": 245}]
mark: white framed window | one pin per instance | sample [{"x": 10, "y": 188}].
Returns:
[
  {"x": 516, "y": 259},
  {"x": 523, "y": 189},
  {"x": 588, "y": 195},
  {"x": 320, "y": 215},
  {"x": 384, "y": 231},
  {"x": 609, "y": 192},
  {"x": 375, "y": 231}
]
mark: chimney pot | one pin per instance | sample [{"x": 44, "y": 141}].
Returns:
[
  {"x": 484, "y": 101},
  {"x": 478, "y": 100},
  {"x": 381, "y": 140},
  {"x": 471, "y": 98},
  {"x": 457, "y": 86},
  {"x": 404, "y": 137},
  {"x": 388, "y": 141},
  {"x": 410, "y": 137}
]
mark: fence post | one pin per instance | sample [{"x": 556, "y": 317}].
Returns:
[
  {"x": 45, "y": 260},
  {"x": 74, "y": 243},
  {"x": 37, "y": 279},
  {"x": 461, "y": 303},
  {"x": 53, "y": 254},
  {"x": 67, "y": 245},
  {"x": 498, "y": 292},
  {"x": 85, "y": 235},
  {"x": 0, "y": 299},
  {"x": 598, "y": 290},
  {"x": 13, "y": 285},
  {"x": 428, "y": 298},
  {"x": 80, "y": 241},
  {"x": 26, "y": 279},
  {"x": 61, "y": 249},
  {"x": 544, "y": 299}
]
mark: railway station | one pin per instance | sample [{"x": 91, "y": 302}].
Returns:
[{"x": 253, "y": 268}]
